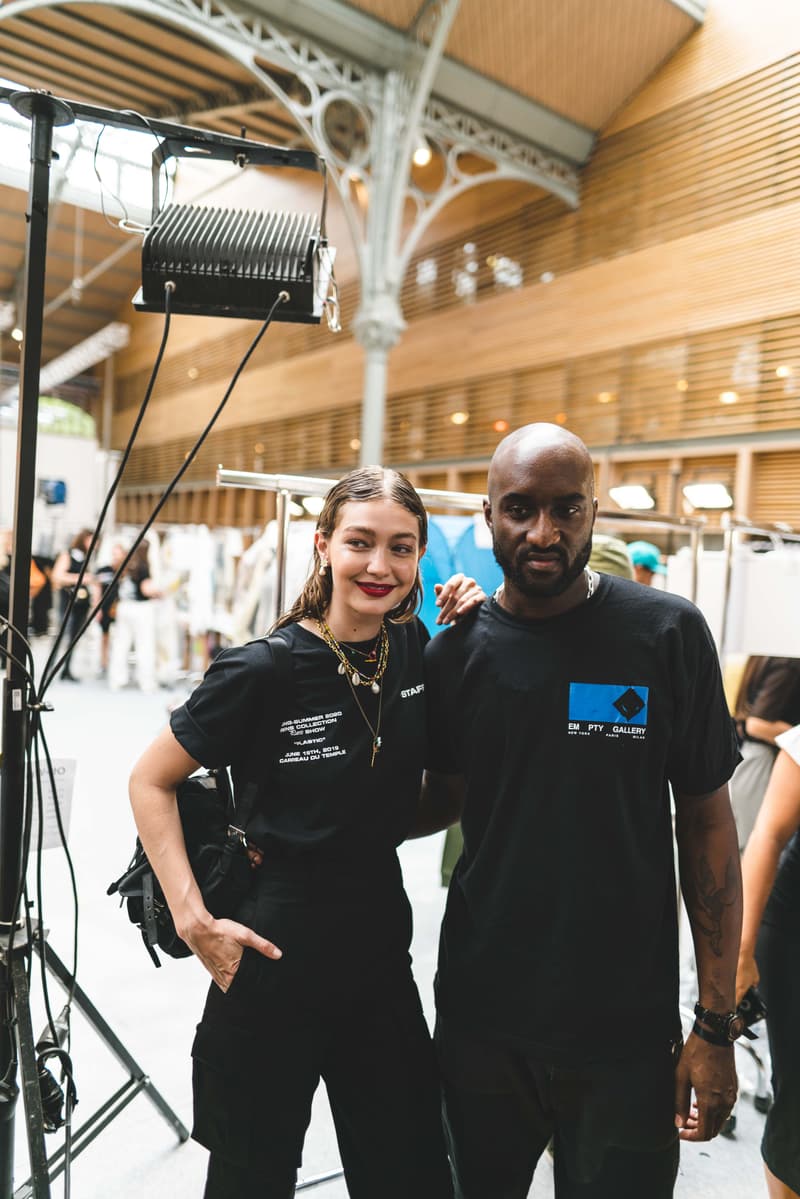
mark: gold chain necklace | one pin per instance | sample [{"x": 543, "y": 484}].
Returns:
[
  {"x": 347, "y": 668},
  {"x": 354, "y": 680}
]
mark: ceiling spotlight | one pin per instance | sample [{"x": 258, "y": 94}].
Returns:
[
  {"x": 422, "y": 153},
  {"x": 355, "y": 443},
  {"x": 605, "y": 397},
  {"x": 783, "y": 372},
  {"x": 17, "y": 333},
  {"x": 708, "y": 495},
  {"x": 459, "y": 418},
  {"x": 500, "y": 426},
  {"x": 633, "y": 496},
  {"x": 313, "y": 504},
  {"x": 682, "y": 385},
  {"x": 728, "y": 397}
]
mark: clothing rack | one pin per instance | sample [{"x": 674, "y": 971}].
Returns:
[
  {"x": 285, "y": 486},
  {"x": 734, "y": 528}
]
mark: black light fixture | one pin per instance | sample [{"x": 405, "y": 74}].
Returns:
[{"x": 226, "y": 262}]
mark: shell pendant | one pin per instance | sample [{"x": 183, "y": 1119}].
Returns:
[
  {"x": 375, "y": 689},
  {"x": 340, "y": 668},
  {"x": 356, "y": 679}
]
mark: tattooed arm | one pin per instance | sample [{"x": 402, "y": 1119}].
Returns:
[{"x": 712, "y": 891}]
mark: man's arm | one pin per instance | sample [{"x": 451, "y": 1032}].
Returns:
[
  {"x": 441, "y": 801},
  {"x": 712, "y": 890}
]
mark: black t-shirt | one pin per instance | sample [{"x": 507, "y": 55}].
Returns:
[
  {"x": 783, "y": 905},
  {"x": 330, "y": 891},
  {"x": 310, "y": 748},
  {"x": 561, "y": 925}
]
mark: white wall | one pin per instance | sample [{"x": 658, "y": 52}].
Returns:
[{"x": 82, "y": 466}]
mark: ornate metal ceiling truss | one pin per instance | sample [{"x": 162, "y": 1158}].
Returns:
[{"x": 367, "y": 124}]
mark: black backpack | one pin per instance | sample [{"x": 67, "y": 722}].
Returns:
[{"x": 215, "y": 832}]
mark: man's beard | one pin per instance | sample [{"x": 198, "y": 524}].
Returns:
[{"x": 532, "y": 588}]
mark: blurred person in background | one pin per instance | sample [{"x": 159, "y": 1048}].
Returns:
[
  {"x": 66, "y": 571},
  {"x": 610, "y": 556},
  {"x": 135, "y": 625},
  {"x": 770, "y": 956},
  {"x": 108, "y": 610},
  {"x": 646, "y": 561},
  {"x": 767, "y": 704}
]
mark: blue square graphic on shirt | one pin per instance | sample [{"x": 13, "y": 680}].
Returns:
[{"x": 608, "y": 703}]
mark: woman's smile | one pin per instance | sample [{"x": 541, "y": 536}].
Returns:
[{"x": 378, "y": 590}]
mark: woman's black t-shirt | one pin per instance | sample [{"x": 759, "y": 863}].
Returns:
[
  {"x": 328, "y": 822},
  {"x": 309, "y": 749}
]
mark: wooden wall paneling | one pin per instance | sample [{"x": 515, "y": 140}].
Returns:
[
  {"x": 776, "y": 488},
  {"x": 738, "y": 37}
]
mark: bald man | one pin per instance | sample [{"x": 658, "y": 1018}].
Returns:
[{"x": 560, "y": 713}]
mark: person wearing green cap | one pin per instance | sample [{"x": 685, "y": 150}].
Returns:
[{"x": 646, "y": 560}]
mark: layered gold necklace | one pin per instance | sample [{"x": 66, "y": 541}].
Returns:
[{"x": 358, "y": 677}]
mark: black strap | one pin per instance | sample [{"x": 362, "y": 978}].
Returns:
[
  {"x": 713, "y": 1038},
  {"x": 243, "y": 805},
  {"x": 149, "y": 929}
]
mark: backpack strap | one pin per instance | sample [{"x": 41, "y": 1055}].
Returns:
[{"x": 282, "y": 681}]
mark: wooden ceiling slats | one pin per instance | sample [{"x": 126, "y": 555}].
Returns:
[
  {"x": 32, "y": 73},
  {"x": 189, "y": 53},
  {"x": 98, "y": 66},
  {"x": 158, "y": 53}
]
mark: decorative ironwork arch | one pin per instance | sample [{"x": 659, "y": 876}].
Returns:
[{"x": 396, "y": 108}]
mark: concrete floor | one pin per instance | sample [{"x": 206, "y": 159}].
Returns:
[{"x": 154, "y": 1012}]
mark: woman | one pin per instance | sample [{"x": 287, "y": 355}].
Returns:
[
  {"x": 330, "y": 994},
  {"x": 66, "y": 572},
  {"x": 770, "y": 956},
  {"x": 767, "y": 703},
  {"x": 134, "y": 624}
]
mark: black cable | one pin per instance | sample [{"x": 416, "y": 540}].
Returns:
[
  {"x": 4, "y": 627},
  {"x": 39, "y": 738},
  {"x": 34, "y": 756},
  {"x": 51, "y": 670},
  {"x": 282, "y": 298}
]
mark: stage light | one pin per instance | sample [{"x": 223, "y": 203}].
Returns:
[{"x": 238, "y": 262}]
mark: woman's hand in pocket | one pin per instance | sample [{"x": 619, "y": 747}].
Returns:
[{"x": 220, "y": 944}]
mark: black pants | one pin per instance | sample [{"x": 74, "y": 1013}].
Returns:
[
  {"x": 612, "y": 1126},
  {"x": 258, "y": 1059}
]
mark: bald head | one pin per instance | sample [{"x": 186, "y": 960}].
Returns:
[
  {"x": 541, "y": 441},
  {"x": 541, "y": 511}
]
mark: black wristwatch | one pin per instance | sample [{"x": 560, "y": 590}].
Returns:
[{"x": 723, "y": 1027}]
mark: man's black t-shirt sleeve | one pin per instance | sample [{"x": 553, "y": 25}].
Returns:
[
  {"x": 440, "y": 751},
  {"x": 216, "y": 723}
]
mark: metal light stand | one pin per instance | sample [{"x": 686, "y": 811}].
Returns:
[{"x": 16, "y": 1036}]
